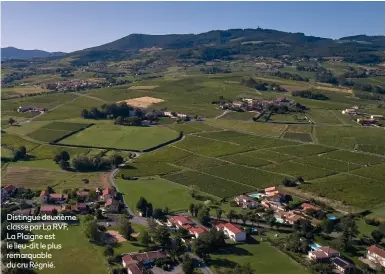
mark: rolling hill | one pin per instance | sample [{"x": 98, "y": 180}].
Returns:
[{"x": 15, "y": 53}]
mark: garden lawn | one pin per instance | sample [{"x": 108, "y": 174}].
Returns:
[
  {"x": 48, "y": 163},
  {"x": 121, "y": 137},
  {"x": 160, "y": 192},
  {"x": 349, "y": 189},
  {"x": 77, "y": 255},
  {"x": 263, "y": 258},
  {"x": 209, "y": 184}
]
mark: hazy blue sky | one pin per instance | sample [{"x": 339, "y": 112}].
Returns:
[{"x": 68, "y": 26}]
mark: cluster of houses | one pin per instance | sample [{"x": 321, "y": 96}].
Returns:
[
  {"x": 136, "y": 263},
  {"x": 57, "y": 202},
  {"x": 31, "y": 109},
  {"x": 75, "y": 85},
  {"x": 230, "y": 230},
  {"x": 249, "y": 104},
  {"x": 326, "y": 254},
  {"x": 365, "y": 120},
  {"x": 275, "y": 199}
]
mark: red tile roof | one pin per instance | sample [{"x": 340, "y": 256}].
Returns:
[
  {"x": 180, "y": 219},
  {"x": 110, "y": 201},
  {"x": 328, "y": 250},
  {"x": 307, "y": 206},
  {"x": 197, "y": 230},
  {"x": 44, "y": 193},
  {"x": 82, "y": 193},
  {"x": 108, "y": 191},
  {"x": 9, "y": 188},
  {"x": 58, "y": 196},
  {"x": 134, "y": 269},
  {"x": 50, "y": 208},
  {"x": 269, "y": 189},
  {"x": 376, "y": 250},
  {"x": 233, "y": 228}
]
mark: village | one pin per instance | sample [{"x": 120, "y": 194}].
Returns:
[
  {"x": 184, "y": 231},
  {"x": 364, "y": 119}
]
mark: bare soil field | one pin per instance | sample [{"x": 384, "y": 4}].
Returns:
[
  {"x": 142, "y": 102},
  {"x": 115, "y": 237},
  {"x": 348, "y": 91},
  {"x": 142, "y": 87}
]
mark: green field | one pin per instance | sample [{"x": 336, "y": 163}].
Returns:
[
  {"x": 302, "y": 137},
  {"x": 262, "y": 257},
  {"x": 191, "y": 127},
  {"x": 48, "y": 151},
  {"x": 159, "y": 192},
  {"x": 349, "y": 189},
  {"x": 45, "y": 164},
  {"x": 55, "y": 130},
  {"x": 353, "y": 157},
  {"x": 244, "y": 159},
  {"x": 198, "y": 162},
  {"x": 303, "y": 150},
  {"x": 263, "y": 129},
  {"x": 239, "y": 115},
  {"x": 295, "y": 169},
  {"x": 349, "y": 137},
  {"x": 246, "y": 140},
  {"x": 15, "y": 142},
  {"x": 376, "y": 172},
  {"x": 328, "y": 163},
  {"x": 147, "y": 169},
  {"x": 269, "y": 155},
  {"x": 288, "y": 118},
  {"x": 323, "y": 116},
  {"x": 37, "y": 178},
  {"x": 209, "y": 147},
  {"x": 121, "y": 137},
  {"x": 165, "y": 154},
  {"x": 76, "y": 256},
  {"x": 249, "y": 176},
  {"x": 209, "y": 184}
]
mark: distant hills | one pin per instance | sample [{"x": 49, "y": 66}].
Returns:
[
  {"x": 15, "y": 53},
  {"x": 226, "y": 44}
]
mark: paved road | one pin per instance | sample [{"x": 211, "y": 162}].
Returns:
[{"x": 135, "y": 219}]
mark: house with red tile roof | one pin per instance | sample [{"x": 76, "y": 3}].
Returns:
[
  {"x": 376, "y": 255},
  {"x": 323, "y": 253},
  {"x": 44, "y": 194},
  {"x": 307, "y": 206},
  {"x": 8, "y": 191},
  {"x": 49, "y": 209},
  {"x": 112, "y": 205},
  {"x": 135, "y": 262},
  {"x": 83, "y": 194},
  {"x": 197, "y": 231},
  {"x": 108, "y": 193},
  {"x": 46, "y": 197},
  {"x": 80, "y": 207},
  {"x": 179, "y": 221},
  {"x": 232, "y": 231}
]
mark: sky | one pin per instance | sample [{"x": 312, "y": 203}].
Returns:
[{"x": 70, "y": 26}]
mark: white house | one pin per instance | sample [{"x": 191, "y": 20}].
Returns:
[
  {"x": 349, "y": 111},
  {"x": 232, "y": 231},
  {"x": 376, "y": 255},
  {"x": 378, "y": 117},
  {"x": 245, "y": 201},
  {"x": 179, "y": 221},
  {"x": 323, "y": 253}
]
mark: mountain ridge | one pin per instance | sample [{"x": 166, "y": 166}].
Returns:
[{"x": 8, "y": 53}]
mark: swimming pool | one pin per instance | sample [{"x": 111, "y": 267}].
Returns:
[
  {"x": 255, "y": 195},
  {"x": 314, "y": 246},
  {"x": 332, "y": 218}
]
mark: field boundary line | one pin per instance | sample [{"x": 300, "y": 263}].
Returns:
[{"x": 339, "y": 119}]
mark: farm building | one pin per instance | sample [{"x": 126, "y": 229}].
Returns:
[
  {"x": 30, "y": 109},
  {"x": 245, "y": 201},
  {"x": 349, "y": 111},
  {"x": 376, "y": 117}
]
